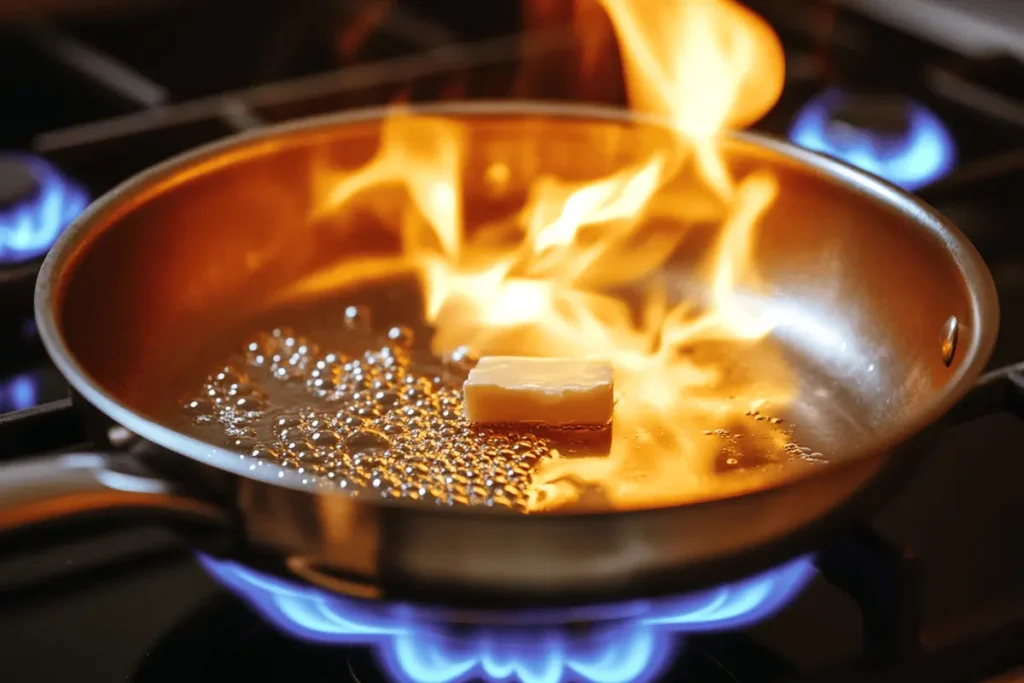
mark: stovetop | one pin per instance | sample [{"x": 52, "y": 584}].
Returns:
[{"x": 100, "y": 100}]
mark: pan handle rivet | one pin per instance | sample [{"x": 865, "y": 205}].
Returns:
[
  {"x": 119, "y": 437},
  {"x": 950, "y": 336}
]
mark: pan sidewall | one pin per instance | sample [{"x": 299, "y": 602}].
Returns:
[
  {"x": 437, "y": 558},
  {"x": 478, "y": 557}
]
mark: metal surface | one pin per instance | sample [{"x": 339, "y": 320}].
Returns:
[
  {"x": 967, "y": 26},
  {"x": 48, "y": 491},
  {"x": 950, "y": 337},
  {"x": 865, "y": 275},
  {"x": 41, "y": 490}
]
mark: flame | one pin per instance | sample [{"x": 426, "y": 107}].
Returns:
[{"x": 548, "y": 280}]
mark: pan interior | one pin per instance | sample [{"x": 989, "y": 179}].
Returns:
[{"x": 173, "y": 278}]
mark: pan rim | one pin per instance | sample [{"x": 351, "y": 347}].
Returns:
[{"x": 98, "y": 217}]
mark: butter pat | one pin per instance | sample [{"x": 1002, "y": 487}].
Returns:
[{"x": 554, "y": 391}]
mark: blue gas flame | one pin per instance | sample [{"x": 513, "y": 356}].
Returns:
[
  {"x": 29, "y": 228},
  {"x": 925, "y": 153},
  {"x": 19, "y": 392},
  {"x": 415, "y": 649}
]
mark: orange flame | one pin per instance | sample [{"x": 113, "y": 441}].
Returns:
[{"x": 703, "y": 66}]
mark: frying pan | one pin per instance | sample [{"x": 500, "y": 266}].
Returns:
[{"x": 184, "y": 250}]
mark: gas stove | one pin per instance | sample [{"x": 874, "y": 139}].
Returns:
[{"x": 930, "y": 589}]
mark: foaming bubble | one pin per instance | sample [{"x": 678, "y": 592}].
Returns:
[
  {"x": 401, "y": 335},
  {"x": 376, "y": 421},
  {"x": 286, "y": 355},
  {"x": 364, "y": 439},
  {"x": 461, "y": 360},
  {"x": 325, "y": 439},
  {"x": 357, "y": 318},
  {"x": 201, "y": 409}
]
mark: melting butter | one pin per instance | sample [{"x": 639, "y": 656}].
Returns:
[{"x": 554, "y": 391}]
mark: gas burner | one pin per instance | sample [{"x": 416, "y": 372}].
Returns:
[
  {"x": 36, "y": 203},
  {"x": 30, "y": 387},
  {"x": 19, "y": 392},
  {"x": 893, "y": 137},
  {"x": 225, "y": 641},
  {"x": 693, "y": 664},
  {"x": 610, "y": 644}
]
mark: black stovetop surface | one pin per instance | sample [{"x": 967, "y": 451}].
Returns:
[{"x": 135, "y": 606}]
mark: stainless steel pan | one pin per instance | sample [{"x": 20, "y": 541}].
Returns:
[{"x": 172, "y": 256}]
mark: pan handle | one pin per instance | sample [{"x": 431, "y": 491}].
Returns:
[
  {"x": 998, "y": 391},
  {"x": 63, "y": 490}
]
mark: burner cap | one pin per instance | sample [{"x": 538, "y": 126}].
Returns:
[
  {"x": 885, "y": 115},
  {"x": 17, "y": 182}
]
